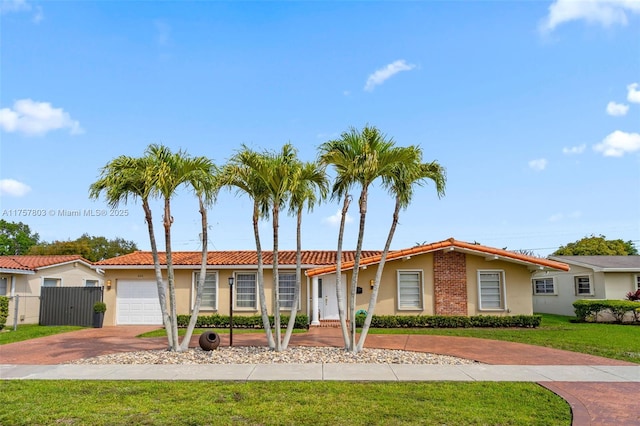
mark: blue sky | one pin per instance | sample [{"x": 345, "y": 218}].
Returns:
[{"x": 532, "y": 107}]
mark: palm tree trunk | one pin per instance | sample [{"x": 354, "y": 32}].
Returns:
[
  {"x": 356, "y": 267},
  {"x": 170, "y": 275},
  {"x": 263, "y": 299},
  {"x": 276, "y": 281},
  {"x": 201, "y": 279},
  {"x": 339, "y": 295},
  {"x": 376, "y": 286},
  {"x": 162, "y": 291},
  {"x": 296, "y": 292}
]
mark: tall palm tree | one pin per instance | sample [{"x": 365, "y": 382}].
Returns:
[
  {"x": 203, "y": 177},
  {"x": 359, "y": 158},
  {"x": 239, "y": 174},
  {"x": 309, "y": 188},
  {"x": 400, "y": 183},
  {"x": 125, "y": 177}
]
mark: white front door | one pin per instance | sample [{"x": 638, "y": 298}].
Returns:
[
  {"x": 137, "y": 303},
  {"x": 328, "y": 303}
]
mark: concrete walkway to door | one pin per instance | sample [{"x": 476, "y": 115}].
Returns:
[{"x": 599, "y": 390}]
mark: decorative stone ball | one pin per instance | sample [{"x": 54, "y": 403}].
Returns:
[{"x": 209, "y": 341}]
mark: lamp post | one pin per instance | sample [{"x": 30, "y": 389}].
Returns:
[{"x": 231, "y": 310}]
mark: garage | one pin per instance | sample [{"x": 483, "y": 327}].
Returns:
[{"x": 137, "y": 303}]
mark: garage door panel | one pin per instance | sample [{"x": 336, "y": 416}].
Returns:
[{"x": 137, "y": 303}]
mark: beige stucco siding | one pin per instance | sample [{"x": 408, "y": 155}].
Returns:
[
  {"x": 517, "y": 280},
  {"x": 72, "y": 274},
  {"x": 185, "y": 290}
]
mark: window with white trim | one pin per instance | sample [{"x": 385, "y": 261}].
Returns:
[
  {"x": 287, "y": 288},
  {"x": 3, "y": 286},
  {"x": 638, "y": 282},
  {"x": 583, "y": 285},
  {"x": 544, "y": 286},
  {"x": 209, "y": 299},
  {"x": 409, "y": 290},
  {"x": 246, "y": 290},
  {"x": 491, "y": 290},
  {"x": 51, "y": 282},
  {"x": 91, "y": 283}
]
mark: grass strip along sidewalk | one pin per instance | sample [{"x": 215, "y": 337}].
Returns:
[{"x": 279, "y": 403}]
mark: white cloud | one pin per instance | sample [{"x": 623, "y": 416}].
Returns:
[
  {"x": 617, "y": 109},
  {"x": 386, "y": 72},
  {"x": 13, "y": 188},
  {"x": 36, "y": 118},
  {"x": 561, "y": 216},
  {"x": 618, "y": 143},
  {"x": 574, "y": 149},
  {"x": 633, "y": 94},
  {"x": 539, "y": 164},
  {"x": 603, "y": 12},
  {"x": 8, "y": 6},
  {"x": 334, "y": 220}
]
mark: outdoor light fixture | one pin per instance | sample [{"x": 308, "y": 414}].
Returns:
[
  {"x": 231, "y": 310},
  {"x": 108, "y": 284},
  {"x": 371, "y": 283}
]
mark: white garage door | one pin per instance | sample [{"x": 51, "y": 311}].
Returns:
[{"x": 138, "y": 303}]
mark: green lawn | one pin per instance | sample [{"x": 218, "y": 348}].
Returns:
[
  {"x": 31, "y": 331},
  {"x": 31, "y": 402},
  {"x": 608, "y": 340}
]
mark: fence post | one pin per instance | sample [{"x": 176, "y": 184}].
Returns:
[{"x": 15, "y": 312}]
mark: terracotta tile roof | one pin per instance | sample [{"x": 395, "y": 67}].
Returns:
[
  {"x": 30, "y": 263},
  {"x": 228, "y": 258},
  {"x": 446, "y": 244}
]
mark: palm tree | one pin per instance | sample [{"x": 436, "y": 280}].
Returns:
[
  {"x": 359, "y": 158},
  {"x": 203, "y": 177},
  {"x": 310, "y": 187},
  {"x": 400, "y": 183},
  {"x": 239, "y": 174},
  {"x": 125, "y": 177}
]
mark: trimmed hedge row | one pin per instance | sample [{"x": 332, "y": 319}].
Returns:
[
  {"x": 254, "y": 321},
  {"x": 590, "y": 309},
  {"x": 4, "y": 310},
  {"x": 445, "y": 321}
]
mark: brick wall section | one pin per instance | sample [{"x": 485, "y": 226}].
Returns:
[{"x": 450, "y": 283}]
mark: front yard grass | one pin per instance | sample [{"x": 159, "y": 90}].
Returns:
[
  {"x": 607, "y": 340},
  {"x": 31, "y": 331},
  {"x": 279, "y": 403}
]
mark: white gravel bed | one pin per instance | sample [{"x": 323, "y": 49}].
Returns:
[{"x": 262, "y": 355}]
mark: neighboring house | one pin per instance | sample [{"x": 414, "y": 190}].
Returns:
[
  {"x": 590, "y": 277},
  {"x": 24, "y": 276},
  {"x": 446, "y": 278}
]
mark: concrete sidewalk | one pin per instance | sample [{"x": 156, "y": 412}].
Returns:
[{"x": 345, "y": 372}]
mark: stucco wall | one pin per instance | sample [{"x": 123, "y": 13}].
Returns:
[
  {"x": 28, "y": 288},
  {"x": 185, "y": 290}
]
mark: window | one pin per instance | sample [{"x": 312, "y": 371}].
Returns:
[
  {"x": 543, "y": 286},
  {"x": 583, "y": 286},
  {"x": 245, "y": 290},
  {"x": 409, "y": 290},
  {"x": 287, "y": 288},
  {"x": 51, "y": 282},
  {"x": 209, "y": 291},
  {"x": 637, "y": 282},
  {"x": 491, "y": 290},
  {"x": 3, "y": 286},
  {"x": 91, "y": 283}
]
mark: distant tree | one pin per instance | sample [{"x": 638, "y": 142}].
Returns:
[
  {"x": 90, "y": 247},
  {"x": 597, "y": 246},
  {"x": 16, "y": 238}
]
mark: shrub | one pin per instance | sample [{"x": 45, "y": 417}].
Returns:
[
  {"x": 588, "y": 310},
  {"x": 634, "y": 296},
  {"x": 99, "y": 307},
  {"x": 240, "y": 321},
  {"x": 4, "y": 310},
  {"x": 450, "y": 321}
]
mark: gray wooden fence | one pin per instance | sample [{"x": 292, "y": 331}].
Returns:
[{"x": 68, "y": 305}]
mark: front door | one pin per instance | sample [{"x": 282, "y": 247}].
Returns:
[{"x": 328, "y": 302}]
